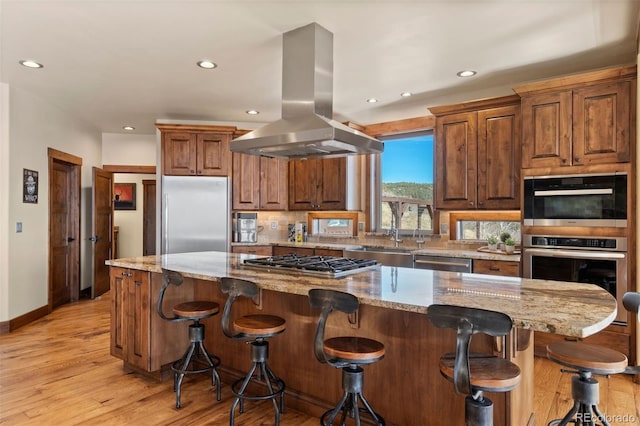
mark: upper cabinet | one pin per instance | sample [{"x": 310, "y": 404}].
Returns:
[
  {"x": 259, "y": 183},
  {"x": 584, "y": 119},
  {"x": 478, "y": 154},
  {"x": 196, "y": 152},
  {"x": 318, "y": 184}
]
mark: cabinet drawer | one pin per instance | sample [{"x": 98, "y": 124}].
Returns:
[
  {"x": 284, "y": 250},
  {"x": 496, "y": 267},
  {"x": 259, "y": 250}
]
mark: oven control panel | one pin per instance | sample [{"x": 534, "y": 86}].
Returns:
[{"x": 611, "y": 244}]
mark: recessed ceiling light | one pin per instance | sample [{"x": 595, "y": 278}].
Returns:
[
  {"x": 207, "y": 64},
  {"x": 406, "y": 94},
  {"x": 372, "y": 100},
  {"x": 252, "y": 112},
  {"x": 466, "y": 73},
  {"x": 31, "y": 64},
  {"x": 128, "y": 128}
]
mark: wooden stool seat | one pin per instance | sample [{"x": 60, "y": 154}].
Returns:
[
  {"x": 586, "y": 357},
  {"x": 487, "y": 372},
  {"x": 356, "y": 349},
  {"x": 260, "y": 325},
  {"x": 196, "y": 309}
]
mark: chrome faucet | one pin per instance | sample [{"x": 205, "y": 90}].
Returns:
[
  {"x": 420, "y": 240},
  {"x": 395, "y": 235}
]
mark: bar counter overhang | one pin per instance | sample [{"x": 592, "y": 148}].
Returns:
[{"x": 405, "y": 387}]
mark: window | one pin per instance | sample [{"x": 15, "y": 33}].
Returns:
[
  {"x": 478, "y": 226},
  {"x": 406, "y": 183}
]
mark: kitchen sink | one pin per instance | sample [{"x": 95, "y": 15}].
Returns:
[{"x": 389, "y": 256}]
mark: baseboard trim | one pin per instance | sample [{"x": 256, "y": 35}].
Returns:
[
  {"x": 27, "y": 318},
  {"x": 4, "y": 327}
]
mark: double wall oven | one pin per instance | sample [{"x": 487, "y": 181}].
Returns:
[{"x": 577, "y": 204}]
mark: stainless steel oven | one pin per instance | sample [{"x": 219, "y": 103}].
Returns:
[
  {"x": 600, "y": 261},
  {"x": 576, "y": 200}
]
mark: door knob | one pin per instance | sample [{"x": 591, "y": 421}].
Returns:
[
  {"x": 94, "y": 239},
  {"x": 70, "y": 239}
]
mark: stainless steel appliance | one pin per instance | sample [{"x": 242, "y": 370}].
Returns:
[
  {"x": 306, "y": 128},
  {"x": 245, "y": 227},
  {"x": 442, "y": 263},
  {"x": 601, "y": 261},
  {"x": 576, "y": 200},
  {"x": 195, "y": 214},
  {"x": 325, "y": 266}
]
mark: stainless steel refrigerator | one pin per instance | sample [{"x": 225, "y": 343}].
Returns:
[{"x": 195, "y": 214}]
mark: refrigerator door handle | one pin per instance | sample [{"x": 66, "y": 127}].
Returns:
[{"x": 165, "y": 227}]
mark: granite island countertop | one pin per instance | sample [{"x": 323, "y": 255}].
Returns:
[{"x": 570, "y": 309}]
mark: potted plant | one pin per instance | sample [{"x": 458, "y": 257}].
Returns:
[
  {"x": 509, "y": 245},
  {"x": 492, "y": 242},
  {"x": 504, "y": 237}
]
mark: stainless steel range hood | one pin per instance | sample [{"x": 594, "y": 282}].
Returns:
[{"x": 306, "y": 128}]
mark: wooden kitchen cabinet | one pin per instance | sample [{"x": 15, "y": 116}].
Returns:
[
  {"x": 585, "y": 119},
  {"x": 196, "y": 153},
  {"x": 138, "y": 334},
  {"x": 496, "y": 267},
  {"x": 259, "y": 183},
  {"x": 478, "y": 154},
  {"x": 318, "y": 184},
  {"x": 262, "y": 250}
]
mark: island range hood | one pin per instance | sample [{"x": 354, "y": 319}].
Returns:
[{"x": 306, "y": 128}]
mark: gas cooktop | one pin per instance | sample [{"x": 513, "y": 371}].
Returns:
[{"x": 326, "y": 266}]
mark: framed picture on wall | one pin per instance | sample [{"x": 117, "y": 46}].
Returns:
[
  {"x": 124, "y": 196},
  {"x": 29, "y": 186}
]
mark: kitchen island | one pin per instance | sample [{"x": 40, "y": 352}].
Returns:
[{"x": 405, "y": 387}]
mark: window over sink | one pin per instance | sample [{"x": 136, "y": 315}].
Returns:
[{"x": 406, "y": 183}]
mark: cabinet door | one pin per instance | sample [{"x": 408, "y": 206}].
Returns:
[
  {"x": 138, "y": 306},
  {"x": 332, "y": 184},
  {"x": 499, "y": 158},
  {"x": 246, "y": 181},
  {"x": 213, "y": 155},
  {"x": 179, "y": 153},
  {"x": 303, "y": 184},
  {"x": 496, "y": 267},
  {"x": 273, "y": 183},
  {"x": 456, "y": 162},
  {"x": 546, "y": 130},
  {"x": 601, "y": 124},
  {"x": 118, "y": 278}
]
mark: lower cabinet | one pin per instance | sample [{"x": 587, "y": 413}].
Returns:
[
  {"x": 262, "y": 250},
  {"x": 305, "y": 251},
  {"x": 137, "y": 331},
  {"x": 496, "y": 267}
]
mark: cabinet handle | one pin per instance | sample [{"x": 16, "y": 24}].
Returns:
[
  {"x": 470, "y": 203},
  {"x": 577, "y": 159},
  {"x": 193, "y": 172},
  {"x": 493, "y": 268},
  {"x": 564, "y": 161},
  {"x": 124, "y": 274},
  {"x": 199, "y": 172}
]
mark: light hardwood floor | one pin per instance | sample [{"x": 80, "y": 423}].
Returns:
[{"x": 58, "y": 371}]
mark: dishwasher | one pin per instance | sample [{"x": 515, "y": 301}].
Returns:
[{"x": 442, "y": 263}]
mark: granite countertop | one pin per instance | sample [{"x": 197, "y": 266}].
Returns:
[{"x": 570, "y": 309}]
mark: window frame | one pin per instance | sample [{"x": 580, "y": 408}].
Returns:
[
  {"x": 489, "y": 215},
  {"x": 377, "y": 193}
]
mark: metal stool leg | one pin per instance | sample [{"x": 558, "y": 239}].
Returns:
[
  {"x": 478, "y": 410},
  {"x": 585, "y": 392},
  {"x": 352, "y": 383}
]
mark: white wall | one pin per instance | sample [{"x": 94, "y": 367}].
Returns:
[
  {"x": 4, "y": 202},
  {"x": 129, "y": 222},
  {"x": 35, "y": 125},
  {"x": 132, "y": 150}
]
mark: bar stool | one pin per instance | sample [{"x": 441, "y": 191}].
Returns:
[
  {"x": 585, "y": 361},
  {"x": 196, "y": 359},
  {"x": 256, "y": 329},
  {"x": 475, "y": 373},
  {"x": 347, "y": 353}
]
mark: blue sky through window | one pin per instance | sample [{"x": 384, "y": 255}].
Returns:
[{"x": 408, "y": 160}]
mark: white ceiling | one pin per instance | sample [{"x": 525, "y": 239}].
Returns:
[{"x": 118, "y": 62}]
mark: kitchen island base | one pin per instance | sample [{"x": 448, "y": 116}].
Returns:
[{"x": 408, "y": 376}]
